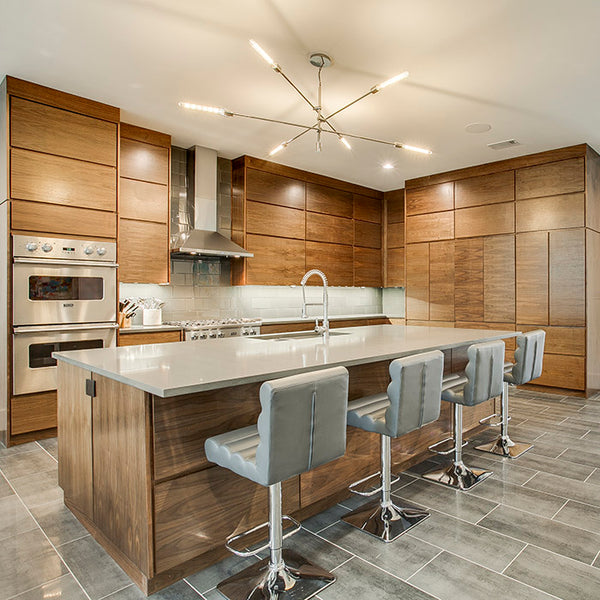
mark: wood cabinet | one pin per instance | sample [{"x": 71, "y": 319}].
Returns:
[
  {"x": 270, "y": 219},
  {"x": 434, "y": 198},
  {"x": 417, "y": 281},
  {"x": 33, "y": 412},
  {"x": 430, "y": 227},
  {"x": 336, "y": 260},
  {"x": 468, "y": 280},
  {"x": 499, "y": 279},
  {"x": 327, "y": 228},
  {"x": 441, "y": 281},
  {"x": 485, "y": 189},
  {"x": 262, "y": 186},
  {"x": 149, "y": 337},
  {"x": 279, "y": 261},
  {"x": 367, "y": 267},
  {"x": 328, "y": 200},
  {"x": 143, "y": 241},
  {"x": 550, "y": 179},
  {"x": 491, "y": 219},
  {"x": 394, "y": 238}
]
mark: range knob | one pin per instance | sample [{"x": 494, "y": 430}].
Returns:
[
  {"x": 101, "y": 251},
  {"x": 220, "y": 334},
  {"x": 31, "y": 246},
  {"x": 212, "y": 334},
  {"x": 46, "y": 247},
  {"x": 89, "y": 250},
  {"x": 245, "y": 331},
  {"x": 202, "y": 336}
]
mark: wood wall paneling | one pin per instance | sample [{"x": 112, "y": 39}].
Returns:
[
  {"x": 491, "y": 219},
  {"x": 275, "y": 189},
  {"x": 367, "y": 267},
  {"x": 499, "y": 278},
  {"x": 486, "y": 189},
  {"x": 554, "y": 212},
  {"x": 367, "y": 235},
  {"x": 276, "y": 260},
  {"x": 561, "y": 340},
  {"x": 68, "y": 220},
  {"x": 430, "y": 227},
  {"x": 368, "y": 209},
  {"x": 65, "y": 181},
  {"x": 395, "y": 206},
  {"x": 551, "y": 179},
  {"x": 441, "y": 281},
  {"x": 269, "y": 219},
  {"x": 417, "y": 281},
  {"x": 335, "y": 260},
  {"x": 563, "y": 371},
  {"x": 532, "y": 278},
  {"x": 395, "y": 235},
  {"x": 147, "y": 136},
  {"x": 32, "y": 412},
  {"x": 592, "y": 190},
  {"x": 327, "y": 228},
  {"x": 329, "y": 201},
  {"x": 145, "y": 162},
  {"x": 468, "y": 280},
  {"x": 510, "y": 343},
  {"x": 151, "y": 337},
  {"x": 143, "y": 201},
  {"x": 395, "y": 267},
  {"x": 42, "y": 128},
  {"x": 567, "y": 277},
  {"x": 433, "y": 198},
  {"x": 143, "y": 252}
]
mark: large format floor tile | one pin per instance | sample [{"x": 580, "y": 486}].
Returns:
[
  {"x": 580, "y": 515},
  {"x": 22, "y": 464},
  {"x": 14, "y": 517},
  {"x": 586, "y": 492},
  {"x": 63, "y": 588},
  {"x": 58, "y": 523},
  {"x": 178, "y": 591}
]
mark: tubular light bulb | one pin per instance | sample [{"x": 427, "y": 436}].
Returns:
[
  {"x": 278, "y": 149},
  {"x": 266, "y": 57},
  {"x": 388, "y": 166},
  {"x": 345, "y": 142},
  {"x": 209, "y": 109},
  {"x": 391, "y": 80},
  {"x": 414, "y": 149}
]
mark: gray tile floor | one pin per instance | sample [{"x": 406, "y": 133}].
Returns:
[{"x": 529, "y": 532}]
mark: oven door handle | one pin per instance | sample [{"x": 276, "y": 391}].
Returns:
[
  {"x": 66, "y": 263},
  {"x": 54, "y": 328}
]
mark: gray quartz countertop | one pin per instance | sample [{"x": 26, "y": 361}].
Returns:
[
  {"x": 187, "y": 367},
  {"x": 148, "y": 328}
]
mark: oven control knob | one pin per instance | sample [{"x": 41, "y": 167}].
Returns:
[
  {"x": 101, "y": 251},
  {"x": 46, "y": 247},
  {"x": 31, "y": 246},
  {"x": 89, "y": 250}
]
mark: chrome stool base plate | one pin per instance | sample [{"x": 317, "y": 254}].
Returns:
[
  {"x": 302, "y": 579},
  {"x": 461, "y": 477},
  {"x": 510, "y": 449},
  {"x": 385, "y": 523}
]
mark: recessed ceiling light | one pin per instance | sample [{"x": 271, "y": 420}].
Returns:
[
  {"x": 478, "y": 127},
  {"x": 387, "y": 166}
]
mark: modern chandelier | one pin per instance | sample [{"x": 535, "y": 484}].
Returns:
[{"x": 323, "y": 122}]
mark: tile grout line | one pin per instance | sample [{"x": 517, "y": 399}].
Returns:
[
  {"x": 486, "y": 515},
  {"x": 526, "y": 482},
  {"x": 552, "y": 517},
  {"x": 16, "y": 596},
  {"x": 48, "y": 453},
  {"x": 586, "y": 479},
  {"x": 429, "y": 561},
  {"x": 352, "y": 557},
  {"x": 117, "y": 591},
  {"x": 515, "y": 558},
  {"x": 557, "y": 457},
  {"x": 595, "y": 558}
]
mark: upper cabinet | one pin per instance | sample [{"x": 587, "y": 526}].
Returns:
[
  {"x": 394, "y": 238},
  {"x": 145, "y": 159},
  {"x": 294, "y": 221}
]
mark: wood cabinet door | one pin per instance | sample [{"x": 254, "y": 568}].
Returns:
[
  {"x": 499, "y": 279},
  {"x": 554, "y": 212},
  {"x": 395, "y": 267},
  {"x": 329, "y": 201},
  {"x": 468, "y": 280},
  {"x": 143, "y": 201},
  {"x": 417, "y": 281},
  {"x": 430, "y": 227},
  {"x": 432, "y": 198},
  {"x": 143, "y": 161},
  {"x": 485, "y": 189},
  {"x": 532, "y": 278},
  {"x": 491, "y": 219},
  {"x": 367, "y": 235},
  {"x": 567, "y": 277},
  {"x": 335, "y": 260},
  {"x": 275, "y": 189},
  {"x": 550, "y": 179},
  {"x": 395, "y": 206},
  {"x": 151, "y": 337},
  {"x": 367, "y": 267},
  {"x": 276, "y": 261},
  {"x": 269, "y": 219},
  {"x": 441, "y": 281},
  {"x": 327, "y": 228},
  {"x": 368, "y": 209},
  {"x": 143, "y": 252}
]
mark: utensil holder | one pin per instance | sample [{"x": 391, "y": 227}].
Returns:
[
  {"x": 123, "y": 321},
  {"x": 152, "y": 316}
]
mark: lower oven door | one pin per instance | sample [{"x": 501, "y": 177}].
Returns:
[
  {"x": 34, "y": 369},
  {"x": 61, "y": 292}
]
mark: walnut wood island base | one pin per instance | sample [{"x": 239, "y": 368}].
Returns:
[{"x": 132, "y": 463}]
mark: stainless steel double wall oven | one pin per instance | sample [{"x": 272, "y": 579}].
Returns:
[{"x": 64, "y": 298}]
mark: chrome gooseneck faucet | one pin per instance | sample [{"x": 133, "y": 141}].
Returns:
[{"x": 324, "y": 328}]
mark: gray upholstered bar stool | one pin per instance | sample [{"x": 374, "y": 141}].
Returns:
[
  {"x": 482, "y": 381},
  {"x": 412, "y": 401},
  {"x": 302, "y": 425},
  {"x": 529, "y": 357}
]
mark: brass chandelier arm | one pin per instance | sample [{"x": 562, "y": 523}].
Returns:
[
  {"x": 279, "y": 70},
  {"x": 339, "y": 110}
]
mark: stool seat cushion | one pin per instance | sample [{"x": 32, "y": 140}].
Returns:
[
  {"x": 236, "y": 451},
  {"x": 368, "y": 413}
]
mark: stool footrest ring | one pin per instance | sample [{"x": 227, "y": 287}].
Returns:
[
  {"x": 485, "y": 420},
  {"x": 246, "y": 553},
  {"x": 352, "y": 487},
  {"x": 433, "y": 447}
]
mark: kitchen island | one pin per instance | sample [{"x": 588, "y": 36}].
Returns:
[{"x": 132, "y": 423}]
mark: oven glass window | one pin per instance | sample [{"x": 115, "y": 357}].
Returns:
[
  {"x": 44, "y": 287},
  {"x": 40, "y": 355}
]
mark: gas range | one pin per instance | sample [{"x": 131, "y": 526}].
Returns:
[{"x": 210, "y": 329}]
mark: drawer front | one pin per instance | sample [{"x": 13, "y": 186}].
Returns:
[
  {"x": 153, "y": 337},
  {"x": 33, "y": 412}
]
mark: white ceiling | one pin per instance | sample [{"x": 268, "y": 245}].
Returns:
[{"x": 530, "y": 68}]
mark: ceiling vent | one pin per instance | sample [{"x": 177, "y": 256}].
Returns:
[{"x": 504, "y": 144}]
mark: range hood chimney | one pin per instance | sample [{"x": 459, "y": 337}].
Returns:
[{"x": 203, "y": 239}]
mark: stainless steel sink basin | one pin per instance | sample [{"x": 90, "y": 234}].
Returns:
[{"x": 295, "y": 335}]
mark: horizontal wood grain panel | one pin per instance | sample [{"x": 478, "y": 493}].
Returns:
[
  {"x": 35, "y": 126},
  {"x": 367, "y": 267},
  {"x": 553, "y": 212},
  {"x": 367, "y": 235},
  {"x": 277, "y": 261},
  {"x": 395, "y": 268},
  {"x": 274, "y": 189},
  {"x": 329, "y": 201},
  {"x": 146, "y": 162},
  {"x": 269, "y": 219},
  {"x": 485, "y": 189},
  {"x": 53, "y": 218},
  {"x": 418, "y": 323},
  {"x": 33, "y": 412},
  {"x": 561, "y": 340},
  {"x": 492, "y": 219},
  {"x": 532, "y": 278},
  {"x": 368, "y": 209},
  {"x": 65, "y": 181},
  {"x": 327, "y": 228},
  {"x": 335, "y": 260},
  {"x": 141, "y": 134},
  {"x": 150, "y": 337},
  {"x": 144, "y": 201},
  {"x": 395, "y": 206},
  {"x": 551, "y": 179},
  {"x": 434, "y": 198},
  {"x": 395, "y": 235},
  {"x": 430, "y": 227},
  {"x": 143, "y": 252},
  {"x": 562, "y": 371},
  {"x": 510, "y": 343}
]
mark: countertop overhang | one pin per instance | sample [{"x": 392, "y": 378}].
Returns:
[{"x": 168, "y": 370}]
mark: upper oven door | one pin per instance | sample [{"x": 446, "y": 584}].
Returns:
[{"x": 59, "y": 292}]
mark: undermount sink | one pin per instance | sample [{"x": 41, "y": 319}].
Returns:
[{"x": 295, "y": 335}]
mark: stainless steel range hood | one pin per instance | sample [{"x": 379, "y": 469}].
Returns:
[{"x": 203, "y": 239}]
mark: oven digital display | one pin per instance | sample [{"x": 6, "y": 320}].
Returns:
[
  {"x": 68, "y": 249},
  {"x": 44, "y": 287},
  {"x": 40, "y": 355}
]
